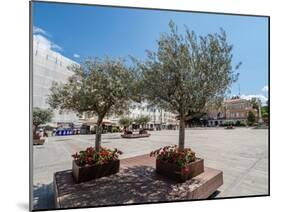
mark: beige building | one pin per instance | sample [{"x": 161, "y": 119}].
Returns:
[{"x": 232, "y": 110}]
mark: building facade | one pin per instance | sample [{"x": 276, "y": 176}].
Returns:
[
  {"x": 48, "y": 67},
  {"x": 232, "y": 111},
  {"x": 159, "y": 118}
]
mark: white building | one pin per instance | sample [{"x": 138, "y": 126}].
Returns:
[
  {"x": 158, "y": 118},
  {"x": 49, "y": 66}
]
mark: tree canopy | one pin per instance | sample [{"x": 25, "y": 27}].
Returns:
[
  {"x": 255, "y": 102},
  {"x": 41, "y": 116},
  {"x": 142, "y": 120},
  {"x": 125, "y": 121},
  {"x": 98, "y": 87},
  {"x": 251, "y": 118},
  {"x": 187, "y": 73}
]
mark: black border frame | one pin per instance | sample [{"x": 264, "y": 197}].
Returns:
[{"x": 129, "y": 7}]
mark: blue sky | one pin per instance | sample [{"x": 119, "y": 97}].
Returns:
[{"x": 78, "y": 31}]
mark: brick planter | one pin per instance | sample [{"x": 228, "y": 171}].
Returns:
[
  {"x": 86, "y": 173},
  {"x": 173, "y": 172}
]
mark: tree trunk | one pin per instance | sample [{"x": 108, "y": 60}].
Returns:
[
  {"x": 34, "y": 130},
  {"x": 182, "y": 132},
  {"x": 98, "y": 134}
]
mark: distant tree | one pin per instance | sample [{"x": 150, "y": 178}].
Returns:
[
  {"x": 238, "y": 123},
  {"x": 251, "y": 118},
  {"x": 255, "y": 102},
  {"x": 264, "y": 109},
  {"x": 187, "y": 73},
  {"x": 142, "y": 120},
  {"x": 41, "y": 116},
  {"x": 99, "y": 87},
  {"x": 125, "y": 122}
]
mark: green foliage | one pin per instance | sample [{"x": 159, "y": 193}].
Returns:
[
  {"x": 92, "y": 157},
  {"x": 48, "y": 128},
  {"x": 142, "y": 120},
  {"x": 187, "y": 72},
  {"x": 172, "y": 154},
  {"x": 114, "y": 129},
  {"x": 239, "y": 124},
  {"x": 251, "y": 118},
  {"x": 41, "y": 116},
  {"x": 125, "y": 121},
  {"x": 97, "y": 87},
  {"x": 228, "y": 123},
  {"x": 100, "y": 87},
  {"x": 255, "y": 102},
  {"x": 264, "y": 115},
  {"x": 264, "y": 110}
]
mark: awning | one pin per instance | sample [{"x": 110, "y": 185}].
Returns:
[{"x": 93, "y": 121}]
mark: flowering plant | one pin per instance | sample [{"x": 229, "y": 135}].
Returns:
[
  {"x": 172, "y": 154},
  {"x": 91, "y": 157}
]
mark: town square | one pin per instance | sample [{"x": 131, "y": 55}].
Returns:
[
  {"x": 245, "y": 169},
  {"x": 147, "y": 115}
]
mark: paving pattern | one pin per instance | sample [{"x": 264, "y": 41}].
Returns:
[
  {"x": 137, "y": 182},
  {"x": 242, "y": 155}
]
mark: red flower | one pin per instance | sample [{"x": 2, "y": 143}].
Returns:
[
  {"x": 174, "y": 155},
  {"x": 90, "y": 156},
  {"x": 104, "y": 153}
]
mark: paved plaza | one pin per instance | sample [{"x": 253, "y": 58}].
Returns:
[{"x": 242, "y": 155}]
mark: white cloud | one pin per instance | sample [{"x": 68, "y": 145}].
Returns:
[
  {"x": 40, "y": 38},
  {"x": 265, "y": 88},
  {"x": 38, "y": 30},
  {"x": 259, "y": 96},
  {"x": 45, "y": 43},
  {"x": 76, "y": 55}
]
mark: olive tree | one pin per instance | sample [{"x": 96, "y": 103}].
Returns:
[
  {"x": 142, "y": 120},
  {"x": 125, "y": 122},
  {"x": 256, "y": 102},
  {"x": 187, "y": 73},
  {"x": 41, "y": 116},
  {"x": 100, "y": 87}
]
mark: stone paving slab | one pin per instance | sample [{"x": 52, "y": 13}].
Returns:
[
  {"x": 242, "y": 155},
  {"x": 134, "y": 183}
]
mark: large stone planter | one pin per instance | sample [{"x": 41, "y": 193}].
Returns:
[
  {"x": 135, "y": 135},
  {"x": 89, "y": 172},
  {"x": 173, "y": 172}
]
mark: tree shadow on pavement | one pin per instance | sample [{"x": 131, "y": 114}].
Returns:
[
  {"x": 43, "y": 196},
  {"x": 137, "y": 184}
]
